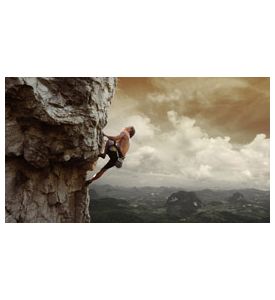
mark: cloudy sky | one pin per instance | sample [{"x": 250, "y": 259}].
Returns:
[{"x": 192, "y": 132}]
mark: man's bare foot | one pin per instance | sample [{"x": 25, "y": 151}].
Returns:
[{"x": 88, "y": 182}]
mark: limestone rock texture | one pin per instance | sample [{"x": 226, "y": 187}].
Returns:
[{"x": 53, "y": 134}]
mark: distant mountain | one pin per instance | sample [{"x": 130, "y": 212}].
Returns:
[
  {"x": 167, "y": 204},
  {"x": 182, "y": 204},
  {"x": 93, "y": 194},
  {"x": 208, "y": 195},
  {"x": 133, "y": 193},
  {"x": 237, "y": 199}
]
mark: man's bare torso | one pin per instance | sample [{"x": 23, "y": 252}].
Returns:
[{"x": 124, "y": 142}]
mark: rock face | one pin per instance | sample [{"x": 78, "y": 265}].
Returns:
[
  {"x": 182, "y": 204},
  {"x": 53, "y": 136}
]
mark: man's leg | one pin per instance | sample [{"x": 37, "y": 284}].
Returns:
[
  {"x": 96, "y": 176},
  {"x": 111, "y": 163}
]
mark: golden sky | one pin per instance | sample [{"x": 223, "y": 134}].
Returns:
[
  {"x": 235, "y": 107},
  {"x": 193, "y": 132}
]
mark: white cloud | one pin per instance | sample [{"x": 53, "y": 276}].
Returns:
[
  {"x": 184, "y": 155},
  {"x": 191, "y": 157},
  {"x": 172, "y": 95},
  {"x": 144, "y": 128}
]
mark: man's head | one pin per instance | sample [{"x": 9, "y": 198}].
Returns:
[{"x": 131, "y": 130}]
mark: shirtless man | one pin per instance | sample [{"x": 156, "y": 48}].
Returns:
[{"x": 116, "y": 148}]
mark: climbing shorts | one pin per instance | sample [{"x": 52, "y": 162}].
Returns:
[{"x": 115, "y": 159}]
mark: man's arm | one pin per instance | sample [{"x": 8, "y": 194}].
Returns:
[{"x": 114, "y": 138}]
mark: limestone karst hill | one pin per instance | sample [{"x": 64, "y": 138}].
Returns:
[
  {"x": 53, "y": 136},
  {"x": 182, "y": 203}
]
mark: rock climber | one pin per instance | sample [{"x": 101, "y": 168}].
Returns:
[{"x": 116, "y": 148}]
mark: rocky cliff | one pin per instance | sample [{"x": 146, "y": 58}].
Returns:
[{"x": 53, "y": 136}]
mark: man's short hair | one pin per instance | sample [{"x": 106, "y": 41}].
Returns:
[{"x": 132, "y": 131}]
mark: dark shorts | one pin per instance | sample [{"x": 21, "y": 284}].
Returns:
[{"x": 112, "y": 161}]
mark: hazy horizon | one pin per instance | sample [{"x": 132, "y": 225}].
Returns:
[
  {"x": 175, "y": 187},
  {"x": 195, "y": 133}
]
